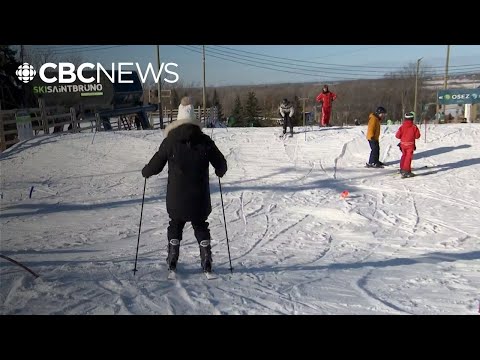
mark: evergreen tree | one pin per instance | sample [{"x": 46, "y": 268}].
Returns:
[
  {"x": 298, "y": 112},
  {"x": 237, "y": 112},
  {"x": 13, "y": 92},
  {"x": 175, "y": 99},
  {"x": 251, "y": 110},
  {"x": 216, "y": 102},
  {"x": 208, "y": 102},
  {"x": 7, "y": 57}
]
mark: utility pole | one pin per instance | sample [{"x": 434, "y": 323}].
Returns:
[
  {"x": 204, "y": 90},
  {"x": 304, "y": 125},
  {"x": 416, "y": 89},
  {"x": 446, "y": 68},
  {"x": 444, "y": 86},
  {"x": 160, "y": 110}
]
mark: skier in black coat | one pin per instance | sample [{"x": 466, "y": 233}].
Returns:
[
  {"x": 286, "y": 111},
  {"x": 188, "y": 152}
]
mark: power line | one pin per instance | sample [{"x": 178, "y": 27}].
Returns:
[
  {"x": 299, "y": 70},
  {"x": 303, "y": 67},
  {"x": 64, "y": 47},
  {"x": 328, "y": 70},
  {"x": 259, "y": 66},
  {"x": 349, "y": 52},
  {"x": 328, "y": 64},
  {"x": 74, "y": 50},
  {"x": 282, "y": 68}
]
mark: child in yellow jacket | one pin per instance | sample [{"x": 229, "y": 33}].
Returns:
[{"x": 373, "y": 135}]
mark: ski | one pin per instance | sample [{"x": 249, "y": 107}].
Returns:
[
  {"x": 419, "y": 174},
  {"x": 415, "y": 169},
  {"x": 172, "y": 275},
  {"x": 367, "y": 165},
  {"x": 210, "y": 275}
]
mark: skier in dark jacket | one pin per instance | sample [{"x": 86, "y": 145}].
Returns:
[
  {"x": 188, "y": 152},
  {"x": 286, "y": 111}
]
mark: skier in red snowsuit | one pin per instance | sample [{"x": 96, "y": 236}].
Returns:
[
  {"x": 407, "y": 133},
  {"x": 326, "y": 98}
]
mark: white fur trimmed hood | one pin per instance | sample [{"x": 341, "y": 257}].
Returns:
[{"x": 186, "y": 115}]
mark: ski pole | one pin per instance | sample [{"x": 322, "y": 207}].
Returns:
[
  {"x": 19, "y": 264},
  {"x": 225, "y": 222},
  {"x": 140, "y": 226}
]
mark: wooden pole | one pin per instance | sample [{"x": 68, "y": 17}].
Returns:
[
  {"x": 446, "y": 68},
  {"x": 416, "y": 88}
]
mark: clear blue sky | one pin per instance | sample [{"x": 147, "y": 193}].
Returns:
[{"x": 257, "y": 64}]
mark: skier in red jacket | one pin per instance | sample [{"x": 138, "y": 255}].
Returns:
[
  {"x": 407, "y": 133},
  {"x": 326, "y": 98}
]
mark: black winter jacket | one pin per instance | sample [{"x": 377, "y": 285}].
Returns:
[{"x": 188, "y": 152}]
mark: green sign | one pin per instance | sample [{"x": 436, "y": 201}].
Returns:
[{"x": 458, "y": 96}]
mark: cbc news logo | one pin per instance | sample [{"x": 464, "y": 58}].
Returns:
[
  {"x": 25, "y": 72},
  {"x": 67, "y": 73}
]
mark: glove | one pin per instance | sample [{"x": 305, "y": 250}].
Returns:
[
  {"x": 218, "y": 173},
  {"x": 144, "y": 173},
  {"x": 399, "y": 146}
]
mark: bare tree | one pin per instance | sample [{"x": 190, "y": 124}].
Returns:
[
  {"x": 356, "y": 99},
  {"x": 37, "y": 57},
  {"x": 75, "y": 58}
]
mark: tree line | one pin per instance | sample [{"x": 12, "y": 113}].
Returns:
[{"x": 356, "y": 99}]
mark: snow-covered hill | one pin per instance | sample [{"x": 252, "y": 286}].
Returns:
[{"x": 393, "y": 246}]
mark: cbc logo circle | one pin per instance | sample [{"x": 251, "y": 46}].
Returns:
[{"x": 25, "y": 72}]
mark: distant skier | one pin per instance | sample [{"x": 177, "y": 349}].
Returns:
[
  {"x": 356, "y": 122},
  {"x": 287, "y": 111},
  {"x": 373, "y": 135},
  {"x": 407, "y": 133},
  {"x": 188, "y": 152},
  {"x": 326, "y": 98}
]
